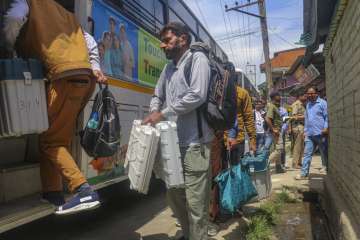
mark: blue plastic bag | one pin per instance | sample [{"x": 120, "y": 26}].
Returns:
[
  {"x": 257, "y": 163},
  {"x": 235, "y": 187}
]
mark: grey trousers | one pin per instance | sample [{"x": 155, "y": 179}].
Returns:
[{"x": 191, "y": 204}]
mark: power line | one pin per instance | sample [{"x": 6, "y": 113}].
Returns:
[
  {"x": 246, "y": 49},
  {"x": 223, "y": 14},
  {"x": 235, "y": 36},
  {"x": 283, "y": 39},
  {"x": 227, "y": 32},
  {"x": 241, "y": 40},
  {"x": 237, "y": 59}
]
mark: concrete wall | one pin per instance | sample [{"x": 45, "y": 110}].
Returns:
[{"x": 342, "y": 65}]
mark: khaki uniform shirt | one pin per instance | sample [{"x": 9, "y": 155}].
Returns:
[{"x": 298, "y": 109}]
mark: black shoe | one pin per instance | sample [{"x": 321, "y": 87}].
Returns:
[
  {"x": 182, "y": 238},
  {"x": 55, "y": 198},
  {"x": 279, "y": 169}
]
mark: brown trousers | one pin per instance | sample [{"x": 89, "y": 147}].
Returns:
[
  {"x": 66, "y": 98},
  {"x": 299, "y": 146}
]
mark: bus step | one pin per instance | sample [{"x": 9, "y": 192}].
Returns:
[
  {"x": 19, "y": 180},
  {"x": 21, "y": 211}
]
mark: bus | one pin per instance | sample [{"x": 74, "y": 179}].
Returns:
[
  {"x": 243, "y": 81},
  {"x": 128, "y": 30}
]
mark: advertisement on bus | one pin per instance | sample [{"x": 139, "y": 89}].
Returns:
[{"x": 127, "y": 52}]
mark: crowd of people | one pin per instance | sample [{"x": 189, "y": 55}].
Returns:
[
  {"x": 175, "y": 98},
  {"x": 305, "y": 126}
]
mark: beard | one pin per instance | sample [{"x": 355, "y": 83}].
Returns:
[{"x": 171, "y": 53}]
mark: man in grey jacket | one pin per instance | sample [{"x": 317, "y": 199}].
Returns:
[{"x": 177, "y": 98}]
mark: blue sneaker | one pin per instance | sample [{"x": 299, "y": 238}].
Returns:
[{"x": 85, "y": 199}]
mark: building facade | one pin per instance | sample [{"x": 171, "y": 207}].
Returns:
[{"x": 341, "y": 198}]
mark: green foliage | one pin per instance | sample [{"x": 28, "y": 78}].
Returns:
[
  {"x": 262, "y": 221},
  {"x": 284, "y": 197},
  {"x": 259, "y": 229}
]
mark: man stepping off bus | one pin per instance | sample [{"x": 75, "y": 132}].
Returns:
[{"x": 46, "y": 31}]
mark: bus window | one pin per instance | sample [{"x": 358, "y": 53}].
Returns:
[
  {"x": 173, "y": 17},
  {"x": 183, "y": 13},
  {"x": 204, "y": 36},
  {"x": 159, "y": 14}
]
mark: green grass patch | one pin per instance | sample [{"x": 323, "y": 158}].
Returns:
[
  {"x": 259, "y": 229},
  {"x": 261, "y": 222}
]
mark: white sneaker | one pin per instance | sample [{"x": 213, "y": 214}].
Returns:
[{"x": 177, "y": 223}]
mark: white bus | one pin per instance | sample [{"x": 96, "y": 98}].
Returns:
[{"x": 134, "y": 25}]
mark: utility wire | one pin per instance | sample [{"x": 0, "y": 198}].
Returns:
[
  {"x": 237, "y": 59},
  {"x": 235, "y": 36},
  {"x": 226, "y": 28},
  {"x": 283, "y": 39},
  {"x": 241, "y": 41}
]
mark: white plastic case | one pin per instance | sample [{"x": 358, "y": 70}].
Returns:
[
  {"x": 140, "y": 156},
  {"x": 262, "y": 183},
  {"x": 168, "y": 164},
  {"x": 23, "y": 108}
]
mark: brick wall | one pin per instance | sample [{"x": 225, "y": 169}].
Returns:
[{"x": 343, "y": 93}]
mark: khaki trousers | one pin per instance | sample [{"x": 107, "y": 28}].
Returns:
[
  {"x": 275, "y": 156},
  {"x": 66, "y": 98},
  {"x": 299, "y": 145},
  {"x": 191, "y": 204}
]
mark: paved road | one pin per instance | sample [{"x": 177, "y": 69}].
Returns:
[
  {"x": 121, "y": 214},
  {"x": 125, "y": 215}
]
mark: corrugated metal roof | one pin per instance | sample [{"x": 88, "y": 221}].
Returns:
[{"x": 284, "y": 59}]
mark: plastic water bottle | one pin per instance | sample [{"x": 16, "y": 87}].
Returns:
[
  {"x": 93, "y": 121},
  {"x": 252, "y": 168}
]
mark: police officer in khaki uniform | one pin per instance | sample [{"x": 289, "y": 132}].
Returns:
[{"x": 297, "y": 125}]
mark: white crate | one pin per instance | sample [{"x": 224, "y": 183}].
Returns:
[
  {"x": 140, "y": 155},
  {"x": 262, "y": 183},
  {"x": 168, "y": 164},
  {"x": 23, "y": 108}
]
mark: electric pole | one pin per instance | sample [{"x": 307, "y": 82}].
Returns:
[
  {"x": 264, "y": 33},
  {"x": 265, "y": 39}
]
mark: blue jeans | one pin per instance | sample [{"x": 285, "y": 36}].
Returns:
[
  {"x": 268, "y": 140},
  {"x": 260, "y": 140},
  {"x": 310, "y": 143}
]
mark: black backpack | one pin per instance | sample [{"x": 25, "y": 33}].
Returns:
[
  {"x": 220, "y": 108},
  {"x": 101, "y": 135}
]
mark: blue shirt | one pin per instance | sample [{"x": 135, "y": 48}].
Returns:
[
  {"x": 283, "y": 113},
  {"x": 316, "y": 117},
  {"x": 233, "y": 132}
]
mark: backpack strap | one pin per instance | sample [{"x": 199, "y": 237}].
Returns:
[{"x": 187, "y": 74}]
